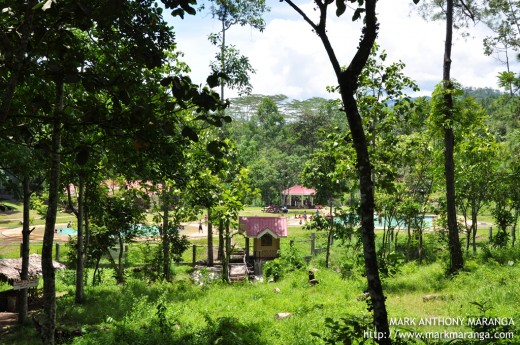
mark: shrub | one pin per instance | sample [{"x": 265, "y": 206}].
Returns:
[{"x": 289, "y": 260}]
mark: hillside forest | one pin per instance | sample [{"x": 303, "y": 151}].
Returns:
[{"x": 101, "y": 125}]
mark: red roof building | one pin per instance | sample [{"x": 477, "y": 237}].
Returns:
[
  {"x": 266, "y": 233},
  {"x": 256, "y": 227},
  {"x": 298, "y": 196}
]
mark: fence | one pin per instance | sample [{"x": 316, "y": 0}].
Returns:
[
  {"x": 13, "y": 250},
  {"x": 197, "y": 254}
]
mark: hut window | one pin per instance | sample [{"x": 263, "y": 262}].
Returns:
[{"x": 266, "y": 240}]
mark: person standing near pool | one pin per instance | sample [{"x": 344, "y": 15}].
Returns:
[{"x": 200, "y": 226}]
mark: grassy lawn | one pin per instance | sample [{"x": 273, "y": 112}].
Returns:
[
  {"x": 181, "y": 312},
  {"x": 193, "y": 314}
]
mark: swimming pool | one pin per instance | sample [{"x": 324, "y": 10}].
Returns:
[
  {"x": 427, "y": 221},
  {"x": 67, "y": 231},
  {"x": 142, "y": 230}
]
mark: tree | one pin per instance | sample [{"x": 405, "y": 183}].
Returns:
[
  {"x": 348, "y": 79},
  {"x": 329, "y": 170},
  {"x": 24, "y": 164},
  {"x": 456, "y": 13},
  {"x": 503, "y": 18},
  {"x": 477, "y": 160},
  {"x": 55, "y": 53},
  {"x": 231, "y": 67}
]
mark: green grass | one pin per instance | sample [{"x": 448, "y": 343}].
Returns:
[
  {"x": 128, "y": 314},
  {"x": 180, "y": 312}
]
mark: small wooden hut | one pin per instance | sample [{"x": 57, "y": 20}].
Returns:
[{"x": 266, "y": 233}]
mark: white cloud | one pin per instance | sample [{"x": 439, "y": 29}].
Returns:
[{"x": 290, "y": 59}]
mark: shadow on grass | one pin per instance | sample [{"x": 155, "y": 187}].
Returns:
[
  {"x": 115, "y": 302},
  {"x": 222, "y": 331},
  {"x": 425, "y": 279}
]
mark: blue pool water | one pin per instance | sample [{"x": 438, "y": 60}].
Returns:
[
  {"x": 67, "y": 231},
  {"x": 144, "y": 230},
  {"x": 427, "y": 221}
]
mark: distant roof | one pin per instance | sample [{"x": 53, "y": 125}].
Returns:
[
  {"x": 257, "y": 226},
  {"x": 299, "y": 190}
]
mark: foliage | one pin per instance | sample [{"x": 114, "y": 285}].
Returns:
[
  {"x": 349, "y": 330},
  {"x": 289, "y": 261}
]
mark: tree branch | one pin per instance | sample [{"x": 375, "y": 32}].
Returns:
[
  {"x": 307, "y": 19},
  {"x": 468, "y": 11}
]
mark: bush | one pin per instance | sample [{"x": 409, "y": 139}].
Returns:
[{"x": 290, "y": 260}]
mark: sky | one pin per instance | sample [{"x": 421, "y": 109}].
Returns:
[{"x": 289, "y": 58}]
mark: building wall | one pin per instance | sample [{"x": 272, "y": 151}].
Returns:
[{"x": 266, "y": 251}]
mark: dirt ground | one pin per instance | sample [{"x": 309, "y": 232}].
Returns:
[{"x": 7, "y": 320}]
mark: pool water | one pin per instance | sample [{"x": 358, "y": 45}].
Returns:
[
  {"x": 67, "y": 231},
  {"x": 427, "y": 221},
  {"x": 143, "y": 230}
]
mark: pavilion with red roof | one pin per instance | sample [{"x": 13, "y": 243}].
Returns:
[
  {"x": 265, "y": 232},
  {"x": 298, "y": 196}
]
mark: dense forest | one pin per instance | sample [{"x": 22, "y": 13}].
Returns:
[{"x": 100, "y": 120}]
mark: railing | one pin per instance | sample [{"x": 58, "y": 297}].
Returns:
[{"x": 266, "y": 254}]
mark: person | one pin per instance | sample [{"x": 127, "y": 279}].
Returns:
[
  {"x": 317, "y": 212},
  {"x": 305, "y": 216},
  {"x": 200, "y": 226},
  {"x": 69, "y": 224}
]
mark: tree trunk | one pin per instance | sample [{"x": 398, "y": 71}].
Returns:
[
  {"x": 120, "y": 265},
  {"x": 49, "y": 287},
  {"x": 513, "y": 229},
  {"x": 220, "y": 240},
  {"x": 165, "y": 237},
  {"x": 348, "y": 84},
  {"x": 80, "y": 260},
  {"x": 226, "y": 253},
  {"x": 375, "y": 288},
  {"x": 329, "y": 235},
  {"x": 210, "y": 239},
  {"x": 456, "y": 259},
  {"x": 24, "y": 275},
  {"x": 474, "y": 223}
]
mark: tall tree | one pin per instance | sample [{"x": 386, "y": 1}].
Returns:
[
  {"x": 456, "y": 14},
  {"x": 348, "y": 79},
  {"x": 233, "y": 68}
]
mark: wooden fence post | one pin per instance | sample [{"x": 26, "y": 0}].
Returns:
[
  {"x": 57, "y": 251},
  {"x": 194, "y": 255},
  {"x": 313, "y": 242}
]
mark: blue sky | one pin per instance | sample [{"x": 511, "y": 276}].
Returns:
[{"x": 289, "y": 59}]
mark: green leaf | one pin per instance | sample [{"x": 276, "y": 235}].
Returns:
[
  {"x": 188, "y": 132},
  {"x": 213, "y": 80},
  {"x": 38, "y": 5},
  {"x": 166, "y": 81},
  {"x": 214, "y": 149},
  {"x": 340, "y": 7},
  {"x": 357, "y": 14}
]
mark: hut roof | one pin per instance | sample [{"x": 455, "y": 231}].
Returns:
[
  {"x": 298, "y": 190},
  {"x": 10, "y": 269},
  {"x": 257, "y": 226}
]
